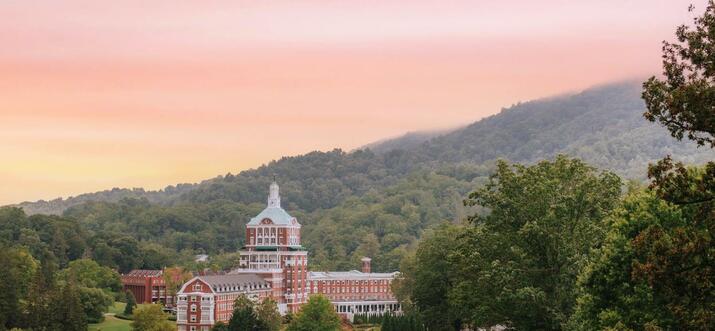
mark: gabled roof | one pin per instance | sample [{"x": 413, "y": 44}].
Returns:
[
  {"x": 234, "y": 279},
  {"x": 144, "y": 273},
  {"x": 277, "y": 215},
  {"x": 230, "y": 282}
]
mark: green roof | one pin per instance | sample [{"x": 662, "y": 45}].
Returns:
[
  {"x": 266, "y": 248},
  {"x": 277, "y": 215}
]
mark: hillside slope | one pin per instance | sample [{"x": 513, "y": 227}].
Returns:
[{"x": 603, "y": 125}]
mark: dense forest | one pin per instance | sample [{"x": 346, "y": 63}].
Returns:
[
  {"x": 560, "y": 245},
  {"x": 367, "y": 202},
  {"x": 603, "y": 126}
]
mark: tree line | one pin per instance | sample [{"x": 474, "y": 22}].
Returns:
[{"x": 560, "y": 245}]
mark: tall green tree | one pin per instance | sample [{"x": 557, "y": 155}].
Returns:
[
  {"x": 151, "y": 318},
  {"x": 678, "y": 261},
  {"x": 131, "y": 303},
  {"x": 428, "y": 277},
  {"x": 244, "y": 316},
  {"x": 611, "y": 295},
  {"x": 316, "y": 315},
  {"x": 72, "y": 315},
  {"x": 89, "y": 273},
  {"x": 18, "y": 268},
  {"x": 42, "y": 298},
  {"x": 95, "y": 303},
  {"x": 269, "y": 319},
  {"x": 683, "y": 100},
  {"x": 519, "y": 263}
]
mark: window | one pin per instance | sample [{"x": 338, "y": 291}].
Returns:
[
  {"x": 193, "y": 298},
  {"x": 193, "y": 318},
  {"x": 192, "y": 328},
  {"x": 197, "y": 287},
  {"x": 193, "y": 308}
]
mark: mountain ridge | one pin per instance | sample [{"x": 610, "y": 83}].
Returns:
[{"x": 602, "y": 125}]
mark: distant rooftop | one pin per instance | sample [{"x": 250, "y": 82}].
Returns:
[
  {"x": 277, "y": 215},
  {"x": 273, "y": 210},
  {"x": 352, "y": 274},
  {"x": 144, "y": 273},
  {"x": 234, "y": 282}
]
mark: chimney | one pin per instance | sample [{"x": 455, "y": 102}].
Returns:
[{"x": 366, "y": 265}]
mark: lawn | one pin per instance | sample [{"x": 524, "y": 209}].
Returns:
[
  {"x": 117, "y": 308},
  {"x": 111, "y": 323}
]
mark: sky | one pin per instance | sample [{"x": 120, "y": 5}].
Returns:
[{"x": 103, "y": 94}]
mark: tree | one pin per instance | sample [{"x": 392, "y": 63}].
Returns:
[
  {"x": 316, "y": 315},
  {"x": 519, "y": 263},
  {"x": 43, "y": 297},
  {"x": 72, "y": 316},
  {"x": 95, "y": 303},
  {"x": 427, "y": 278},
  {"x": 90, "y": 274},
  {"x": 611, "y": 294},
  {"x": 151, "y": 318},
  {"x": 174, "y": 278},
  {"x": 683, "y": 101},
  {"x": 18, "y": 268},
  {"x": 220, "y": 326},
  {"x": 131, "y": 303},
  {"x": 244, "y": 316},
  {"x": 677, "y": 260},
  {"x": 268, "y": 316}
]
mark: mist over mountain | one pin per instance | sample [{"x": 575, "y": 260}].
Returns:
[{"x": 602, "y": 125}]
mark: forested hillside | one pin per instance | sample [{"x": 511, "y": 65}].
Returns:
[
  {"x": 378, "y": 203},
  {"x": 603, "y": 126}
]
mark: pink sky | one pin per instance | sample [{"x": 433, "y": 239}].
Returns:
[{"x": 102, "y": 94}]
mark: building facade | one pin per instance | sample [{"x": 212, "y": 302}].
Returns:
[
  {"x": 273, "y": 251},
  {"x": 273, "y": 254},
  {"x": 356, "y": 292},
  {"x": 147, "y": 286},
  {"x": 205, "y": 300}
]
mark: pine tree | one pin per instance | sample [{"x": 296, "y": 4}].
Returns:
[
  {"x": 40, "y": 294},
  {"x": 73, "y": 316},
  {"x": 131, "y": 303}
]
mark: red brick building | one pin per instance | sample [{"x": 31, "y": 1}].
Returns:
[
  {"x": 205, "y": 300},
  {"x": 273, "y": 263},
  {"x": 356, "y": 292},
  {"x": 147, "y": 286},
  {"x": 273, "y": 251}
]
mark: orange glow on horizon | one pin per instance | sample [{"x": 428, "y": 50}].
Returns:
[{"x": 137, "y": 94}]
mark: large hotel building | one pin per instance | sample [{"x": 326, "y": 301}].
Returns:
[{"x": 274, "y": 264}]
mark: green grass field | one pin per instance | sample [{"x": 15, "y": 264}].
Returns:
[
  {"x": 111, "y": 323},
  {"x": 117, "y": 308}
]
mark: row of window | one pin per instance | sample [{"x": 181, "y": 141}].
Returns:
[
  {"x": 354, "y": 282},
  {"x": 354, "y": 289},
  {"x": 194, "y": 298},
  {"x": 358, "y": 297},
  {"x": 379, "y": 308},
  {"x": 193, "y": 328}
]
